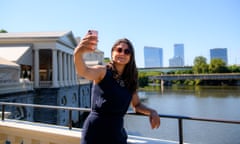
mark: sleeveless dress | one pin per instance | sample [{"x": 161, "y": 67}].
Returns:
[{"x": 110, "y": 102}]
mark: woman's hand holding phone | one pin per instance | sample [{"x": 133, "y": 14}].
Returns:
[
  {"x": 88, "y": 43},
  {"x": 94, "y": 39}
]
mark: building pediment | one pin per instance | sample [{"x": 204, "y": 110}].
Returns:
[{"x": 68, "y": 39}]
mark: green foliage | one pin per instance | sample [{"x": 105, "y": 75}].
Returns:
[
  {"x": 106, "y": 60},
  {"x": 183, "y": 72},
  {"x": 3, "y": 31},
  {"x": 200, "y": 65},
  {"x": 143, "y": 81},
  {"x": 234, "y": 69},
  {"x": 197, "y": 81},
  {"x": 143, "y": 77},
  {"x": 189, "y": 82},
  {"x": 217, "y": 66}
]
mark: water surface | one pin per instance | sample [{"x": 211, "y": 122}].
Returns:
[{"x": 204, "y": 102}]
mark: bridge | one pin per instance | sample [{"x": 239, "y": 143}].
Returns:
[
  {"x": 218, "y": 76},
  {"x": 164, "y": 69}
]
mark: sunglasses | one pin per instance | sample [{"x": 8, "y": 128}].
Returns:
[{"x": 125, "y": 51}]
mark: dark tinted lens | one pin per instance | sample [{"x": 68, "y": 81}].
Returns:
[
  {"x": 119, "y": 50},
  {"x": 126, "y": 51}
]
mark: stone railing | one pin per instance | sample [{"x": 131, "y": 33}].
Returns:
[{"x": 22, "y": 132}]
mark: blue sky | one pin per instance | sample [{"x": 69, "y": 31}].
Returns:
[{"x": 199, "y": 24}]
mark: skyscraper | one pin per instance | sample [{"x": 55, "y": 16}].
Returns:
[
  {"x": 179, "y": 50},
  {"x": 178, "y": 58},
  {"x": 220, "y": 53},
  {"x": 153, "y": 57}
]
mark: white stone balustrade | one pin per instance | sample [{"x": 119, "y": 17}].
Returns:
[
  {"x": 17, "y": 132},
  {"x": 23, "y": 132}
]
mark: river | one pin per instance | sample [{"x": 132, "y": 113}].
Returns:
[{"x": 218, "y": 102}]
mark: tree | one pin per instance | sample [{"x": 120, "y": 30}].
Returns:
[
  {"x": 143, "y": 78},
  {"x": 107, "y": 60},
  {"x": 200, "y": 65},
  {"x": 234, "y": 68},
  {"x": 3, "y": 31},
  {"x": 217, "y": 66}
]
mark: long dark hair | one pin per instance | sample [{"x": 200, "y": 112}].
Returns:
[{"x": 130, "y": 73}]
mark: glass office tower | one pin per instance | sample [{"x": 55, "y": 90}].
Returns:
[
  {"x": 153, "y": 56},
  {"x": 178, "y": 58},
  {"x": 220, "y": 53}
]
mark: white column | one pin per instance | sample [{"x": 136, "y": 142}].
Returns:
[
  {"x": 54, "y": 68},
  {"x": 60, "y": 68},
  {"x": 36, "y": 68},
  {"x": 65, "y": 69},
  {"x": 69, "y": 70},
  {"x": 72, "y": 71},
  {"x": 75, "y": 74}
]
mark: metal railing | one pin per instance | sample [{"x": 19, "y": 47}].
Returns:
[{"x": 70, "y": 109}]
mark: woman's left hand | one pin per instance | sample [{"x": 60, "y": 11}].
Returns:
[{"x": 154, "y": 119}]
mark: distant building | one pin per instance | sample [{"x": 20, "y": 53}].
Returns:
[
  {"x": 94, "y": 58},
  {"x": 220, "y": 53},
  {"x": 178, "y": 58},
  {"x": 153, "y": 57},
  {"x": 176, "y": 62}
]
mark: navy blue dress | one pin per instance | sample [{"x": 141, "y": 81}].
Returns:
[{"x": 110, "y": 102}]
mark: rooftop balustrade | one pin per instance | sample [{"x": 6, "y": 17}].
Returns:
[{"x": 12, "y": 87}]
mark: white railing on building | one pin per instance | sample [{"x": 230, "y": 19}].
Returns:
[
  {"x": 13, "y": 87},
  {"x": 45, "y": 84}
]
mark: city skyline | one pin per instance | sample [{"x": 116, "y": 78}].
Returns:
[{"x": 201, "y": 25}]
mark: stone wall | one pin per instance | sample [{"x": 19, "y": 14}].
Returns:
[{"x": 72, "y": 96}]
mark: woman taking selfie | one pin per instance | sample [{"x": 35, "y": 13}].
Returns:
[{"x": 114, "y": 89}]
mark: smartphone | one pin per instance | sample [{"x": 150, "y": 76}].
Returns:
[{"x": 93, "y": 32}]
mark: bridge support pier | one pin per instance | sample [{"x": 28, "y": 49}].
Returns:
[{"x": 162, "y": 85}]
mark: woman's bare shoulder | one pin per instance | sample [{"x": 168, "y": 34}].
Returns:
[{"x": 101, "y": 70}]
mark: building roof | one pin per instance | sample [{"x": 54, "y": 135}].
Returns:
[
  {"x": 15, "y": 53},
  {"x": 7, "y": 64},
  {"x": 33, "y": 34},
  {"x": 64, "y": 36}
]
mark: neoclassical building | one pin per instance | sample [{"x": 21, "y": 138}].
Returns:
[
  {"x": 45, "y": 61},
  {"x": 46, "y": 58}
]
